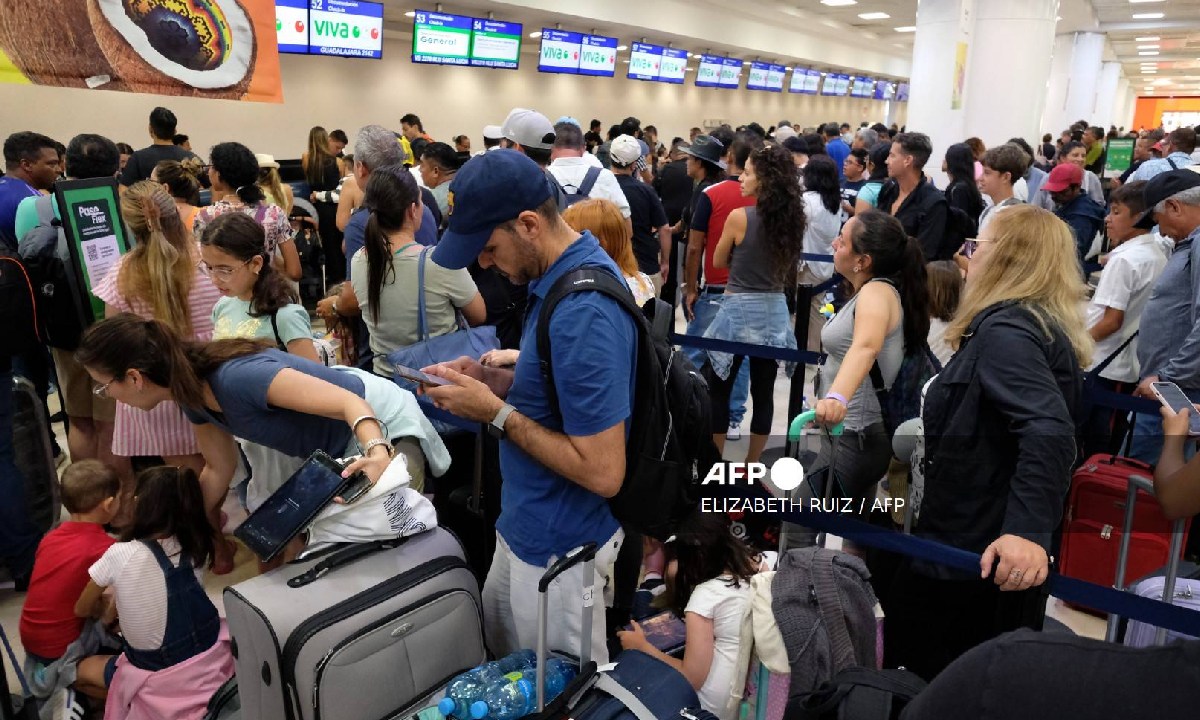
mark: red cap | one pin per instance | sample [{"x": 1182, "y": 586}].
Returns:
[{"x": 1062, "y": 177}]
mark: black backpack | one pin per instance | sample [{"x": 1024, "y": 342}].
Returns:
[
  {"x": 858, "y": 693},
  {"x": 47, "y": 259},
  {"x": 581, "y": 193},
  {"x": 18, "y": 310},
  {"x": 669, "y": 449},
  {"x": 902, "y": 401}
]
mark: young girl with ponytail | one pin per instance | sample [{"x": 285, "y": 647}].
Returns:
[
  {"x": 886, "y": 318},
  {"x": 258, "y": 301},
  {"x": 278, "y": 406},
  {"x": 160, "y": 279},
  {"x": 181, "y": 179},
  {"x": 234, "y": 177}
]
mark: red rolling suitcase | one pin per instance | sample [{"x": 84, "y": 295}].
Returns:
[{"x": 1095, "y": 518}]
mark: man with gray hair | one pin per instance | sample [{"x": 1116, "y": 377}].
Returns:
[
  {"x": 572, "y": 170},
  {"x": 375, "y": 147},
  {"x": 1169, "y": 339},
  {"x": 865, "y": 139}
]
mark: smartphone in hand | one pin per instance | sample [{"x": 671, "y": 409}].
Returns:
[
  {"x": 1169, "y": 394},
  {"x": 419, "y": 377}
]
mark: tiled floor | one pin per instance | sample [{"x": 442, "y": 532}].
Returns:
[{"x": 10, "y": 602}]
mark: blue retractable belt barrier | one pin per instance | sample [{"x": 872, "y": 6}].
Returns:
[
  {"x": 737, "y": 348},
  {"x": 1107, "y": 599}
]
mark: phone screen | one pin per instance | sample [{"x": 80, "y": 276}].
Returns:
[
  {"x": 291, "y": 507},
  {"x": 419, "y": 377},
  {"x": 1170, "y": 395}
]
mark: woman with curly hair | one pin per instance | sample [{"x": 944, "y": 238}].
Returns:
[{"x": 759, "y": 245}]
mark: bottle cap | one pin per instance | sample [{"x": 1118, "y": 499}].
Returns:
[
  {"x": 446, "y": 706},
  {"x": 479, "y": 710}
]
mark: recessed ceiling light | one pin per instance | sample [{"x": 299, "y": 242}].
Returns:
[
  {"x": 839, "y": 3},
  {"x": 410, "y": 13},
  {"x": 1148, "y": 52},
  {"x": 622, "y": 47},
  {"x": 874, "y": 16},
  {"x": 907, "y": 28},
  {"x": 536, "y": 34},
  {"x": 1148, "y": 38},
  {"x": 1151, "y": 46},
  {"x": 1139, "y": 2},
  {"x": 1147, "y": 16}
]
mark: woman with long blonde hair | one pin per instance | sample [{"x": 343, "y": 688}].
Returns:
[
  {"x": 604, "y": 220},
  {"x": 323, "y": 172},
  {"x": 159, "y": 279},
  {"x": 999, "y": 425}
]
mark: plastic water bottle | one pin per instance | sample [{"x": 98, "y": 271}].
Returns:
[
  {"x": 509, "y": 698},
  {"x": 466, "y": 689},
  {"x": 518, "y": 661},
  {"x": 559, "y": 672}
]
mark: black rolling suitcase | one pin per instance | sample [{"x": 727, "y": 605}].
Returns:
[{"x": 35, "y": 456}]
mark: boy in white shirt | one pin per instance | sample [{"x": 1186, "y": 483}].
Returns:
[
  {"x": 1003, "y": 165},
  {"x": 1115, "y": 312}
]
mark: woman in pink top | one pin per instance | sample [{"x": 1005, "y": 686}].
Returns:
[{"x": 160, "y": 278}]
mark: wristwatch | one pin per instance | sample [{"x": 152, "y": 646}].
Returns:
[{"x": 496, "y": 428}]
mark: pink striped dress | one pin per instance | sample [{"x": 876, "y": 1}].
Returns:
[{"x": 163, "y": 430}]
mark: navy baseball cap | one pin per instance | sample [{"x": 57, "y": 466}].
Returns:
[
  {"x": 490, "y": 190},
  {"x": 1161, "y": 187}
]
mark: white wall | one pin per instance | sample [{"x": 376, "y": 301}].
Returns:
[{"x": 343, "y": 93}]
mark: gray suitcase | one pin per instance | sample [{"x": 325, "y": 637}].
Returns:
[{"x": 362, "y": 633}]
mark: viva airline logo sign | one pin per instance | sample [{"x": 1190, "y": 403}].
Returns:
[{"x": 345, "y": 27}]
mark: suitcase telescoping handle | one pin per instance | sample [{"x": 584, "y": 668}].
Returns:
[
  {"x": 1178, "y": 529},
  {"x": 585, "y": 554}
]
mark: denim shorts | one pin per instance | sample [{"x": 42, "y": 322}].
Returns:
[{"x": 753, "y": 318}]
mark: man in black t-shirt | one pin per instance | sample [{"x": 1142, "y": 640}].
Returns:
[
  {"x": 592, "y": 137},
  {"x": 651, "y": 231},
  {"x": 162, "y": 147}
]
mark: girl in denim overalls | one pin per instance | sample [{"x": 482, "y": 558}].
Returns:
[{"x": 176, "y": 650}]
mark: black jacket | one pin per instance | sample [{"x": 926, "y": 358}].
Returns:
[
  {"x": 675, "y": 188},
  {"x": 923, "y": 214},
  {"x": 1000, "y": 433}
]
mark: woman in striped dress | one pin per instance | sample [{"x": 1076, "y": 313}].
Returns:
[{"x": 160, "y": 278}]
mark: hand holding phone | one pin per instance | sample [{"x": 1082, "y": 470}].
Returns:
[
  {"x": 420, "y": 378},
  {"x": 1169, "y": 394}
]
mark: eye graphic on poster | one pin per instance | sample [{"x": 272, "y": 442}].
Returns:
[{"x": 205, "y": 48}]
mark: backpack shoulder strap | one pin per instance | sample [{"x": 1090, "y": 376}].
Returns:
[
  {"x": 275, "y": 329},
  {"x": 589, "y": 180},
  {"x": 582, "y": 279},
  {"x": 830, "y": 604},
  {"x": 1109, "y": 360}
]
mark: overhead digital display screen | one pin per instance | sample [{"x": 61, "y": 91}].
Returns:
[
  {"x": 708, "y": 72},
  {"x": 291, "y": 26},
  {"x": 674, "y": 66},
  {"x": 598, "y": 56},
  {"x": 902, "y": 92},
  {"x": 495, "y": 44},
  {"x": 757, "y": 79},
  {"x": 645, "y": 61},
  {"x": 560, "y": 51},
  {"x": 441, "y": 39},
  {"x": 346, "y": 28},
  {"x": 775, "y": 75},
  {"x": 731, "y": 73}
]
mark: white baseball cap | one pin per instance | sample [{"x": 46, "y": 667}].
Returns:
[
  {"x": 625, "y": 150},
  {"x": 528, "y": 128},
  {"x": 493, "y": 132}
]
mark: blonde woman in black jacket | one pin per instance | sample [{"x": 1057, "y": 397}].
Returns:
[{"x": 1000, "y": 443}]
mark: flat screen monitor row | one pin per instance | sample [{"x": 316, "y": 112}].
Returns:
[{"x": 354, "y": 28}]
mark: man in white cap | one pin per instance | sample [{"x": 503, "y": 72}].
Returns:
[
  {"x": 493, "y": 137},
  {"x": 651, "y": 230}
]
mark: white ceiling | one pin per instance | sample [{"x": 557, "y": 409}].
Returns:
[
  {"x": 787, "y": 15},
  {"x": 1177, "y": 65}
]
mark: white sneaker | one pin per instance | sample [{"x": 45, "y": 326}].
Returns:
[
  {"x": 734, "y": 433},
  {"x": 66, "y": 705}
]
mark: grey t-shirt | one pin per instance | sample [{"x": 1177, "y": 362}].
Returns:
[
  {"x": 445, "y": 290},
  {"x": 837, "y": 336}
]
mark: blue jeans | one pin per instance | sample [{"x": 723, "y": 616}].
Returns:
[
  {"x": 18, "y": 537},
  {"x": 703, "y": 313},
  {"x": 1148, "y": 440}
]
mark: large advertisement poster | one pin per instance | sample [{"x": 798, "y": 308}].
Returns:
[{"x": 203, "y": 48}]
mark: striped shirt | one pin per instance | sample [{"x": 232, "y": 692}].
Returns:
[{"x": 163, "y": 430}]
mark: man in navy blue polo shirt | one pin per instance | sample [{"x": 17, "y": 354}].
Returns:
[{"x": 558, "y": 470}]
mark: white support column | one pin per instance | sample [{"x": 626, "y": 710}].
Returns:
[
  {"x": 1106, "y": 96},
  {"x": 941, "y": 26},
  {"x": 1074, "y": 77}
]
